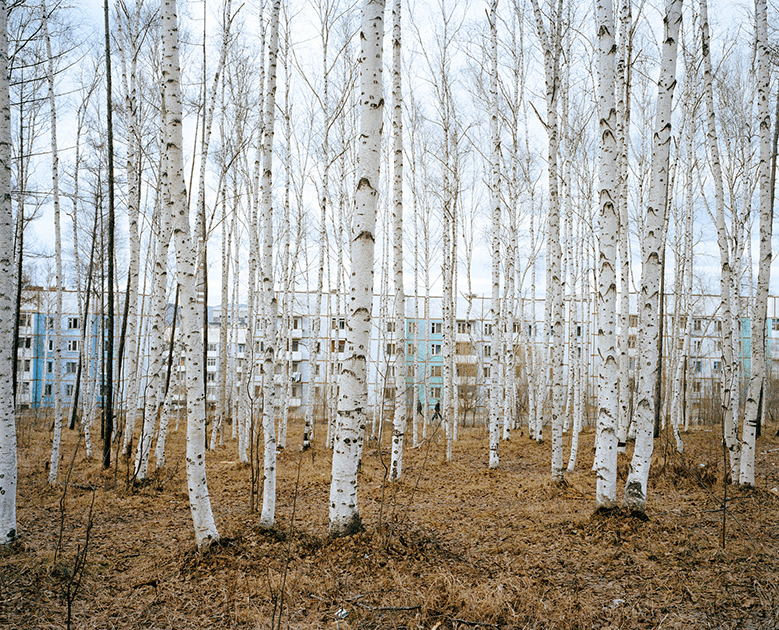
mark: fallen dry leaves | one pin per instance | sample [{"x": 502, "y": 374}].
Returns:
[{"x": 450, "y": 546}]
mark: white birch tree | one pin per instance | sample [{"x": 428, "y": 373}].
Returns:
[
  {"x": 267, "y": 516},
  {"x": 608, "y": 224},
  {"x": 399, "y": 420},
  {"x": 8, "y": 463},
  {"x": 199, "y": 500},
  {"x": 729, "y": 362},
  {"x": 551, "y": 39},
  {"x": 353, "y": 398},
  {"x": 495, "y": 208},
  {"x": 756, "y": 394},
  {"x": 59, "y": 280},
  {"x": 636, "y": 485}
]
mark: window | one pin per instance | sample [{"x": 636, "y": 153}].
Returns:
[
  {"x": 341, "y": 345},
  {"x": 486, "y": 372},
  {"x": 318, "y": 347},
  {"x": 435, "y": 393},
  {"x": 466, "y": 370},
  {"x": 295, "y": 345},
  {"x": 435, "y": 371},
  {"x": 73, "y": 345},
  {"x": 241, "y": 347},
  {"x": 717, "y": 366},
  {"x": 49, "y": 367},
  {"x": 718, "y": 325},
  {"x": 696, "y": 325},
  {"x": 50, "y": 322},
  {"x": 696, "y": 387},
  {"x": 26, "y": 387},
  {"x": 259, "y": 346},
  {"x": 211, "y": 362},
  {"x": 530, "y": 330},
  {"x": 296, "y": 366},
  {"x": 211, "y": 377},
  {"x": 47, "y": 390},
  {"x": 73, "y": 323},
  {"x": 339, "y": 323},
  {"x": 463, "y": 327},
  {"x": 69, "y": 390},
  {"x": 317, "y": 391},
  {"x": 25, "y": 319},
  {"x": 631, "y": 341},
  {"x": 410, "y": 348},
  {"x": 578, "y": 330},
  {"x": 516, "y": 328},
  {"x": 391, "y": 371},
  {"x": 487, "y": 350},
  {"x": 295, "y": 323},
  {"x": 212, "y": 347},
  {"x": 698, "y": 366},
  {"x": 316, "y": 370},
  {"x": 487, "y": 329},
  {"x": 27, "y": 365},
  {"x": 697, "y": 347},
  {"x": 435, "y": 328},
  {"x": 390, "y": 325},
  {"x": 463, "y": 348},
  {"x": 435, "y": 349},
  {"x": 390, "y": 349},
  {"x": 412, "y": 328},
  {"x": 633, "y": 321},
  {"x": 630, "y": 364},
  {"x": 25, "y": 342},
  {"x": 71, "y": 367},
  {"x": 296, "y": 391},
  {"x": 389, "y": 393}
]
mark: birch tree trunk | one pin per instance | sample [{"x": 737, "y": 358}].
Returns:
[
  {"x": 623, "y": 127},
  {"x": 729, "y": 361},
  {"x": 267, "y": 516},
  {"x": 757, "y": 377},
  {"x": 353, "y": 398},
  {"x": 649, "y": 373},
  {"x": 550, "y": 42},
  {"x": 133, "y": 207},
  {"x": 608, "y": 227},
  {"x": 399, "y": 421},
  {"x": 55, "y": 448},
  {"x": 495, "y": 208},
  {"x": 8, "y": 464},
  {"x": 199, "y": 501}
]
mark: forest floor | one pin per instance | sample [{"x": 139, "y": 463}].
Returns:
[{"x": 451, "y": 546}]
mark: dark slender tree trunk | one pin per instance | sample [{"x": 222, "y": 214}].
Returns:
[
  {"x": 84, "y": 328},
  {"x": 19, "y": 243},
  {"x": 109, "y": 386}
]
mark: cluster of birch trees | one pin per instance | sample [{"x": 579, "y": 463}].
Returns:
[{"x": 571, "y": 145}]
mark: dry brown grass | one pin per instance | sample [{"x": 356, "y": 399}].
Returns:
[{"x": 459, "y": 546}]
